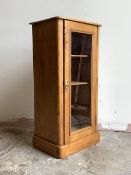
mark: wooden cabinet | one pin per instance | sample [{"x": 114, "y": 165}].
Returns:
[{"x": 65, "y": 55}]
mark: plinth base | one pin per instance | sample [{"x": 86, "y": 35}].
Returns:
[{"x": 65, "y": 150}]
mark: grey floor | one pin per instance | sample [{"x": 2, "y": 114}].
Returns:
[{"x": 112, "y": 156}]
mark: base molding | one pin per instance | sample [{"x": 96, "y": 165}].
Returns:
[{"x": 65, "y": 150}]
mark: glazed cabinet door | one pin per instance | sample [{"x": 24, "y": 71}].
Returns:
[{"x": 80, "y": 79}]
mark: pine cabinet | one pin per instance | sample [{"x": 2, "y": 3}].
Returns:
[{"x": 65, "y": 58}]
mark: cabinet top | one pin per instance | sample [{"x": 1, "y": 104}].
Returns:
[{"x": 65, "y": 18}]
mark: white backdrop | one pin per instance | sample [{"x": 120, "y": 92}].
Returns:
[{"x": 16, "y": 75}]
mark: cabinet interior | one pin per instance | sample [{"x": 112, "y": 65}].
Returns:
[{"x": 81, "y": 45}]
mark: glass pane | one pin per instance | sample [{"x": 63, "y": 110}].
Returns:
[
  {"x": 80, "y": 69},
  {"x": 81, "y": 80},
  {"x": 81, "y": 43}
]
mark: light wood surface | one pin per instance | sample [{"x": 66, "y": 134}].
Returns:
[
  {"x": 78, "y": 83},
  {"x": 82, "y": 28},
  {"x": 79, "y": 56},
  {"x": 68, "y": 149},
  {"x": 65, "y": 18},
  {"x": 52, "y": 86},
  {"x": 48, "y": 80}
]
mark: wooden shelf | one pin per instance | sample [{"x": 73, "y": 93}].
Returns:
[
  {"x": 73, "y": 83},
  {"x": 80, "y": 107},
  {"x": 80, "y": 56}
]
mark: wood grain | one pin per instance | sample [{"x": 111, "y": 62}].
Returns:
[
  {"x": 68, "y": 149},
  {"x": 48, "y": 80},
  {"x": 52, "y": 76},
  {"x": 88, "y": 29},
  {"x": 65, "y": 18}
]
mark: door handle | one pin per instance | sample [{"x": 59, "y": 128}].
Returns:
[{"x": 66, "y": 85}]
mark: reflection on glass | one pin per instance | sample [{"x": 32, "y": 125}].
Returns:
[
  {"x": 81, "y": 80},
  {"x": 81, "y": 43}
]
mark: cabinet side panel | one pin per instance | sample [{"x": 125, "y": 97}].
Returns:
[{"x": 47, "y": 82}]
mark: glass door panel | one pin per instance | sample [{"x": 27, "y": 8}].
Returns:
[{"x": 81, "y": 48}]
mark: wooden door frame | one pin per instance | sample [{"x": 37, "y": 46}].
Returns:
[{"x": 70, "y": 26}]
